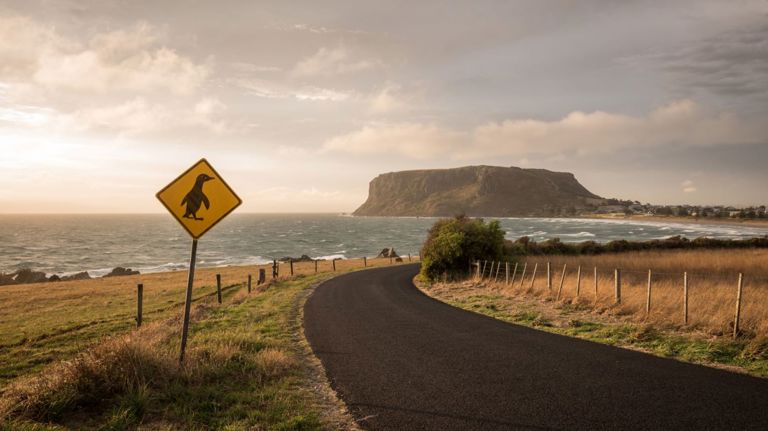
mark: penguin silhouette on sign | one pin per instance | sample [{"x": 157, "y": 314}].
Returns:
[{"x": 196, "y": 197}]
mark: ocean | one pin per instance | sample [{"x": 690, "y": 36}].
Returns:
[{"x": 65, "y": 244}]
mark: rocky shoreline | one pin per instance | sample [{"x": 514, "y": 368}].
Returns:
[{"x": 28, "y": 276}]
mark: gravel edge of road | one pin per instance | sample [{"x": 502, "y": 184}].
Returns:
[{"x": 333, "y": 411}]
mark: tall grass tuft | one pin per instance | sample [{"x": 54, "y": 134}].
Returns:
[{"x": 125, "y": 371}]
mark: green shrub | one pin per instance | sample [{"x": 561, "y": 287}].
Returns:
[
  {"x": 453, "y": 243},
  {"x": 527, "y": 247}
]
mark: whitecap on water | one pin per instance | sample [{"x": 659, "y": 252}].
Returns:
[
  {"x": 330, "y": 257},
  {"x": 578, "y": 235}
]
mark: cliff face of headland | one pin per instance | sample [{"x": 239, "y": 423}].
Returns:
[{"x": 478, "y": 191}]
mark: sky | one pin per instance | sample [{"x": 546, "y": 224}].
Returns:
[{"x": 298, "y": 105}]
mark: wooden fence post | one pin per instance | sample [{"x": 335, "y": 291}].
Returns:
[
  {"x": 218, "y": 287},
  {"x": 409, "y": 257},
  {"x": 533, "y": 276},
  {"x": 738, "y": 307},
  {"x": 595, "y": 285},
  {"x": 578, "y": 281},
  {"x": 139, "y": 301},
  {"x": 522, "y": 276},
  {"x": 365, "y": 262},
  {"x": 482, "y": 273},
  {"x": 291, "y": 267},
  {"x": 262, "y": 276},
  {"x": 617, "y": 285},
  {"x": 549, "y": 276},
  {"x": 648, "y": 296},
  {"x": 334, "y": 264},
  {"x": 490, "y": 272},
  {"x": 275, "y": 268},
  {"x": 562, "y": 280},
  {"x": 477, "y": 273},
  {"x": 249, "y": 283},
  {"x": 496, "y": 277},
  {"x": 685, "y": 298},
  {"x": 514, "y": 273},
  {"x": 315, "y": 266},
  {"x": 506, "y": 271}
]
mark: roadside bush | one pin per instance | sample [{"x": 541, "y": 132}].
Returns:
[{"x": 453, "y": 243}]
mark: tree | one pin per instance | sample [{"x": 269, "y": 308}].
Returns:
[{"x": 453, "y": 243}]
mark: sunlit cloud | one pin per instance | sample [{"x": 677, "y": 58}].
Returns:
[
  {"x": 419, "y": 141},
  {"x": 275, "y": 90},
  {"x": 331, "y": 61},
  {"x": 678, "y": 123},
  {"x": 682, "y": 122},
  {"x": 129, "y": 59}
]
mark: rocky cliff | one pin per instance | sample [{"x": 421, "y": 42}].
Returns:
[{"x": 490, "y": 191}]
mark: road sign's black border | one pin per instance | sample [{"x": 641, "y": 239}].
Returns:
[{"x": 218, "y": 177}]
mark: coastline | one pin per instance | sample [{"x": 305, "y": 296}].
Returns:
[{"x": 760, "y": 223}]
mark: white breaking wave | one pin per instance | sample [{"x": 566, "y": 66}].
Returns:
[
  {"x": 330, "y": 257},
  {"x": 579, "y": 235}
]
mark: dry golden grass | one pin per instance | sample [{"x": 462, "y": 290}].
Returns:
[
  {"x": 242, "y": 370},
  {"x": 45, "y": 322},
  {"x": 712, "y": 286}
]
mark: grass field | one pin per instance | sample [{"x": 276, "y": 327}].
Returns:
[
  {"x": 712, "y": 286},
  {"x": 72, "y": 347}
]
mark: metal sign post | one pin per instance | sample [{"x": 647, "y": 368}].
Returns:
[
  {"x": 188, "y": 302},
  {"x": 198, "y": 199}
]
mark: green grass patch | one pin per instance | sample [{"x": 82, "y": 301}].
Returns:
[{"x": 242, "y": 372}]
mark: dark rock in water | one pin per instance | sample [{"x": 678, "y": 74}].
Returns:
[
  {"x": 303, "y": 258},
  {"x": 120, "y": 271},
  {"x": 79, "y": 276},
  {"x": 24, "y": 276},
  {"x": 6, "y": 279},
  {"x": 388, "y": 252},
  {"x": 54, "y": 277}
]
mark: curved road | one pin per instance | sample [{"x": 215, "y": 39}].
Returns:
[{"x": 403, "y": 361}]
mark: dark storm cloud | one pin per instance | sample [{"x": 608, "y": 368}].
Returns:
[{"x": 732, "y": 64}]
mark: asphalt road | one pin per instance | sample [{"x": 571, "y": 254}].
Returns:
[{"x": 403, "y": 361}]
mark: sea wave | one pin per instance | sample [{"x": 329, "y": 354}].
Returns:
[
  {"x": 579, "y": 235},
  {"x": 66, "y": 245},
  {"x": 330, "y": 257}
]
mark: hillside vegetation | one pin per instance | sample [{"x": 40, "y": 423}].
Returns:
[{"x": 490, "y": 191}]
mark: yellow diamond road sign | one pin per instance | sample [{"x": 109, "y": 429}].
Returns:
[{"x": 199, "y": 198}]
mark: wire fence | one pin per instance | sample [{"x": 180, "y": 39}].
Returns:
[{"x": 721, "y": 302}]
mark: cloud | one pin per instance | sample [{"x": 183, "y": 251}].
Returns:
[
  {"x": 128, "y": 59},
  {"x": 139, "y": 116},
  {"x": 330, "y": 61},
  {"x": 681, "y": 122},
  {"x": 688, "y": 186},
  {"x": 392, "y": 98},
  {"x": 733, "y": 63},
  {"x": 419, "y": 141},
  {"x": 275, "y": 90}
]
